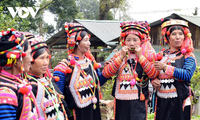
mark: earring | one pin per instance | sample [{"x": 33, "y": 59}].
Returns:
[{"x": 76, "y": 43}]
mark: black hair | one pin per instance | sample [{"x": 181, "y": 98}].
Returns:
[
  {"x": 172, "y": 29},
  {"x": 39, "y": 52},
  {"x": 176, "y": 28},
  {"x": 83, "y": 34},
  {"x": 25, "y": 45}
]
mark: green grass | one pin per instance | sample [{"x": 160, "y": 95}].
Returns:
[
  {"x": 197, "y": 117},
  {"x": 151, "y": 117}
]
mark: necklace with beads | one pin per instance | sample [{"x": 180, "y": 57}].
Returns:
[
  {"x": 168, "y": 60},
  {"x": 89, "y": 82},
  {"x": 135, "y": 77},
  {"x": 48, "y": 91}
]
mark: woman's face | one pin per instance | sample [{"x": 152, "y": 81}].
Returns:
[
  {"x": 27, "y": 59},
  {"x": 84, "y": 44},
  {"x": 131, "y": 41},
  {"x": 176, "y": 39},
  {"x": 40, "y": 64}
]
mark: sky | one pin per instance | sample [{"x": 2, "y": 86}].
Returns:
[{"x": 152, "y": 10}]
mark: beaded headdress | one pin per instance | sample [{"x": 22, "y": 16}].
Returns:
[
  {"x": 73, "y": 31},
  {"x": 11, "y": 48},
  {"x": 37, "y": 42},
  {"x": 187, "y": 45},
  {"x": 141, "y": 29}
]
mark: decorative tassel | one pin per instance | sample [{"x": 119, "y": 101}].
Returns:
[
  {"x": 142, "y": 36},
  {"x": 68, "y": 70},
  {"x": 56, "y": 78},
  {"x": 79, "y": 38},
  {"x": 189, "y": 35},
  {"x": 183, "y": 51},
  {"x": 133, "y": 81},
  {"x": 24, "y": 90},
  {"x": 123, "y": 34},
  {"x": 41, "y": 118},
  {"x": 72, "y": 61},
  {"x": 23, "y": 54},
  {"x": 159, "y": 56},
  {"x": 189, "y": 50},
  {"x": 96, "y": 65},
  {"x": 168, "y": 33},
  {"x": 142, "y": 97}
]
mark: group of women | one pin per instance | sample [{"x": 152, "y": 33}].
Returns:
[{"x": 28, "y": 91}]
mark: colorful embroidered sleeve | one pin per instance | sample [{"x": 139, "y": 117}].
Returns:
[
  {"x": 148, "y": 67},
  {"x": 102, "y": 79},
  {"x": 112, "y": 68},
  {"x": 184, "y": 73},
  {"x": 60, "y": 71},
  {"x": 8, "y": 104}
]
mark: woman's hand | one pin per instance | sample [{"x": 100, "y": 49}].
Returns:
[
  {"x": 159, "y": 65},
  {"x": 138, "y": 51},
  {"x": 123, "y": 52},
  {"x": 156, "y": 84},
  {"x": 108, "y": 62}
]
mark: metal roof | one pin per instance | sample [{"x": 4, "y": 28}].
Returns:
[
  {"x": 105, "y": 30},
  {"x": 102, "y": 32},
  {"x": 192, "y": 19}
]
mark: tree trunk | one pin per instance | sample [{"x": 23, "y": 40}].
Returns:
[{"x": 105, "y": 6}]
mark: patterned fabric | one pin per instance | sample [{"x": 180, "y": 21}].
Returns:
[
  {"x": 188, "y": 69},
  {"x": 50, "y": 105},
  {"x": 71, "y": 84},
  {"x": 72, "y": 29},
  {"x": 37, "y": 42},
  {"x": 174, "y": 88},
  {"x": 13, "y": 104},
  {"x": 9, "y": 113},
  {"x": 148, "y": 67},
  {"x": 112, "y": 69}
]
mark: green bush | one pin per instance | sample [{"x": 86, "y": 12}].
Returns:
[
  {"x": 107, "y": 89},
  {"x": 150, "y": 116},
  {"x": 195, "y": 84}
]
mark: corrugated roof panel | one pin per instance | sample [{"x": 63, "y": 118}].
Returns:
[
  {"x": 105, "y": 30},
  {"x": 193, "y": 19}
]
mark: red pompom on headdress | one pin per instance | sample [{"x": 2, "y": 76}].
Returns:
[{"x": 73, "y": 31}]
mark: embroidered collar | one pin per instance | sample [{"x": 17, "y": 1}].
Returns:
[
  {"x": 36, "y": 76},
  {"x": 77, "y": 57}
]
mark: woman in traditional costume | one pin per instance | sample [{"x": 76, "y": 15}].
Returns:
[
  {"x": 177, "y": 65},
  {"x": 17, "y": 101},
  {"x": 133, "y": 66},
  {"x": 78, "y": 76},
  {"x": 48, "y": 96}
]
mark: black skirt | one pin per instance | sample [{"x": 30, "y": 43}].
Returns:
[
  {"x": 130, "y": 110},
  {"x": 88, "y": 113},
  {"x": 169, "y": 109}
]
